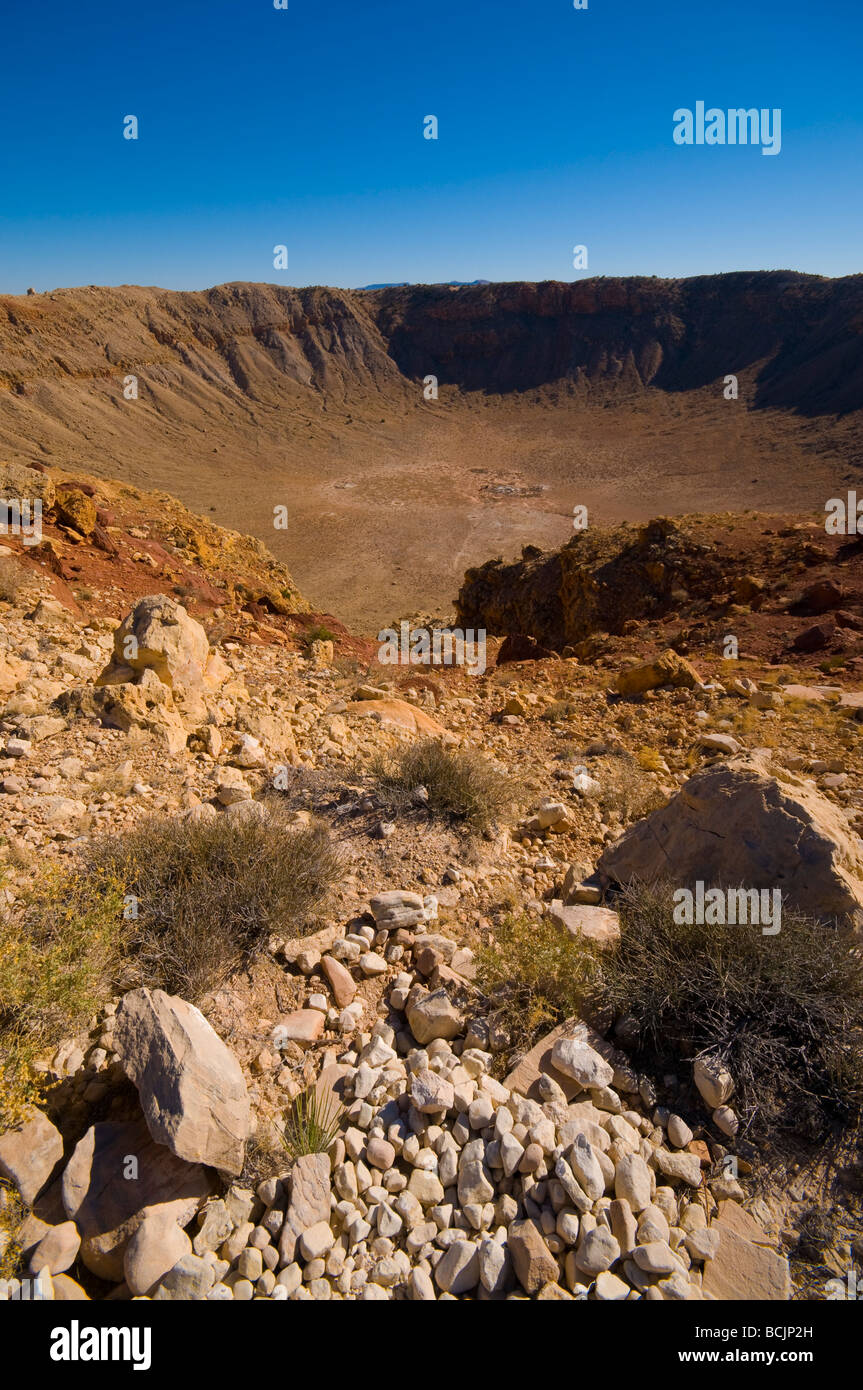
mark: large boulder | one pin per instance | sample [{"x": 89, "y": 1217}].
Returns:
[
  {"x": 29, "y": 1153},
  {"x": 309, "y": 1201},
  {"x": 741, "y": 824},
  {"x": 153, "y": 1250},
  {"x": 159, "y": 635},
  {"x": 526, "y": 1078},
  {"x": 147, "y": 706},
  {"x": 398, "y": 714},
  {"x": 667, "y": 669},
  {"x": 745, "y": 1268},
  {"x": 116, "y": 1176},
  {"x": 12, "y": 673},
  {"x": 192, "y": 1089},
  {"x": 74, "y": 509}
]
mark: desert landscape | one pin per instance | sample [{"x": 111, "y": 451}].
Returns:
[
  {"x": 431, "y": 677},
  {"x": 329, "y": 977},
  {"x": 607, "y": 394}
]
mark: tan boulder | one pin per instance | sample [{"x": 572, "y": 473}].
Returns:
[
  {"x": 398, "y": 714},
  {"x": 12, "y": 673},
  {"x": 598, "y": 924},
  {"x": 29, "y": 1153},
  {"x": 275, "y": 733},
  {"x": 302, "y": 1026},
  {"x": 341, "y": 982},
  {"x": 309, "y": 1201},
  {"x": 433, "y": 1016},
  {"x": 68, "y": 1290},
  {"x": 744, "y": 1270},
  {"x": 667, "y": 669},
  {"x": 526, "y": 1077},
  {"x": 191, "y": 1086},
  {"x": 57, "y": 1249},
  {"x": 741, "y": 823},
  {"x": 115, "y": 1172},
  {"x": 153, "y": 1250},
  {"x": 75, "y": 509},
  {"x": 159, "y": 635},
  {"x": 532, "y": 1260},
  {"x": 321, "y": 654},
  {"x": 147, "y": 706}
]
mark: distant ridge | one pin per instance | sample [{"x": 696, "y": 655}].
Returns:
[
  {"x": 437, "y": 284},
  {"x": 241, "y": 345}
]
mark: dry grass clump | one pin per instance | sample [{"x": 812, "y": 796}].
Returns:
[
  {"x": 626, "y": 787},
  {"x": 209, "y": 893},
  {"x": 12, "y": 1214},
  {"x": 462, "y": 785}
]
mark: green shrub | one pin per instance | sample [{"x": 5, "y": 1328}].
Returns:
[
  {"x": 784, "y": 1013},
  {"x": 535, "y": 974},
  {"x": 312, "y": 1125},
  {"x": 319, "y": 633},
  {"x": 58, "y": 955}
]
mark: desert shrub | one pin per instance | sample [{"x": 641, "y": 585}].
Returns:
[
  {"x": 11, "y": 579},
  {"x": 462, "y": 785},
  {"x": 626, "y": 787},
  {"x": 58, "y": 955},
  {"x": 535, "y": 974},
  {"x": 784, "y": 1012},
  {"x": 319, "y": 633},
  {"x": 559, "y": 710},
  {"x": 12, "y": 1214},
  {"x": 650, "y": 760},
  {"x": 210, "y": 892},
  {"x": 312, "y": 1125}
]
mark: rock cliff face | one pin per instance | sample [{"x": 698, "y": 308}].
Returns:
[
  {"x": 248, "y": 398},
  {"x": 268, "y": 344},
  {"x": 672, "y": 334},
  {"x": 599, "y": 581}
]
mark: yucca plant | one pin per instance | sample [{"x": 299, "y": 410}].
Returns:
[{"x": 312, "y": 1125}]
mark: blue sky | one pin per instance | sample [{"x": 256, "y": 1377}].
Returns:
[{"x": 304, "y": 127}]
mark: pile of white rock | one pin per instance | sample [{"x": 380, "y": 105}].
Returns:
[{"x": 447, "y": 1183}]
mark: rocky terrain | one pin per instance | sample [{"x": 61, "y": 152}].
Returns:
[
  {"x": 605, "y": 393},
  {"x": 352, "y": 1111}
]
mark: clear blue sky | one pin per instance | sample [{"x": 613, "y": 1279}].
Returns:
[{"x": 261, "y": 126}]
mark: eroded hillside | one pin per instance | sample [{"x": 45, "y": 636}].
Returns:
[
  {"x": 605, "y": 393},
  {"x": 404, "y": 891}
]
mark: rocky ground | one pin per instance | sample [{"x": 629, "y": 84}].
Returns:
[{"x": 461, "y": 1168}]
